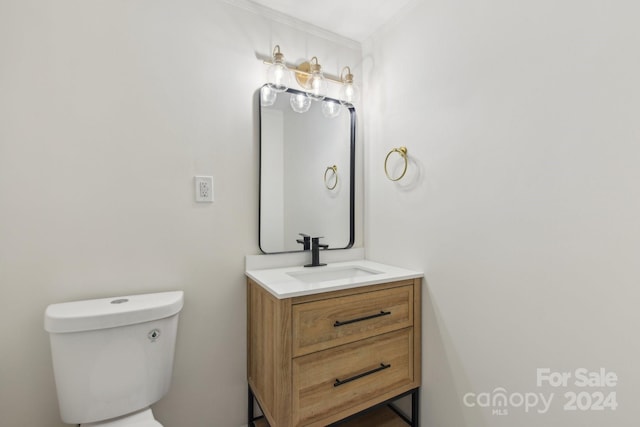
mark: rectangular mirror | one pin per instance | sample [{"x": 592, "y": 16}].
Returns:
[{"x": 307, "y": 162}]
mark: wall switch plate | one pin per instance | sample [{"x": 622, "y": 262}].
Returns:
[{"x": 204, "y": 189}]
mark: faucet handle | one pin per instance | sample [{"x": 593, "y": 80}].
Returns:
[
  {"x": 305, "y": 241},
  {"x": 315, "y": 241}
]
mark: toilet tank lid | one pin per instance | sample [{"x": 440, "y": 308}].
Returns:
[{"x": 105, "y": 313}]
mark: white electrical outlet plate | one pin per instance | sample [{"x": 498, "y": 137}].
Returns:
[{"x": 204, "y": 189}]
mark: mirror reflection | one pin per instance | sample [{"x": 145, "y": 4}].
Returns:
[{"x": 306, "y": 171}]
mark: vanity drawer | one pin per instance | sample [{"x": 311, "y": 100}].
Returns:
[
  {"x": 331, "y": 322},
  {"x": 336, "y": 379}
]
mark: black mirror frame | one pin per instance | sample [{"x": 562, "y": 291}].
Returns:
[{"x": 352, "y": 172}]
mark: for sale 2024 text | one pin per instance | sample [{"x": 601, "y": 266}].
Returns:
[{"x": 587, "y": 399}]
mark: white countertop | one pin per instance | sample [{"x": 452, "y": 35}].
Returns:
[{"x": 283, "y": 283}]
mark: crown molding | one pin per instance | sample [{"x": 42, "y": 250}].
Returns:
[{"x": 295, "y": 23}]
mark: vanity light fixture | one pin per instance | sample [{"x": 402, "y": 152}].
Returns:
[
  {"x": 267, "y": 96},
  {"x": 309, "y": 76},
  {"x": 348, "y": 92},
  {"x": 300, "y": 103},
  {"x": 278, "y": 75},
  {"x": 330, "y": 109},
  {"x": 317, "y": 85}
]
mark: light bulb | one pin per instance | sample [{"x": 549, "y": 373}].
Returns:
[
  {"x": 330, "y": 109},
  {"x": 349, "y": 93},
  {"x": 278, "y": 75},
  {"x": 267, "y": 96},
  {"x": 317, "y": 84},
  {"x": 299, "y": 102}
]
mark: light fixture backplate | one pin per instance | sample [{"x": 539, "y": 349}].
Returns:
[{"x": 303, "y": 74}]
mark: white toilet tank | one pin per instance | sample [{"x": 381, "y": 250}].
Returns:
[{"x": 112, "y": 356}]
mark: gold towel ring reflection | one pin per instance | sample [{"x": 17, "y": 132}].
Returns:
[
  {"x": 334, "y": 169},
  {"x": 403, "y": 152}
]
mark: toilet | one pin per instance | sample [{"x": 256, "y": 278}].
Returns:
[{"x": 113, "y": 357}]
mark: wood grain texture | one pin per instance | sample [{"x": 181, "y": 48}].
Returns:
[
  {"x": 313, "y": 322},
  {"x": 379, "y": 417},
  {"x": 352, "y": 291},
  {"x": 314, "y": 375},
  {"x": 417, "y": 333},
  {"x": 269, "y": 346},
  {"x": 297, "y": 391}
]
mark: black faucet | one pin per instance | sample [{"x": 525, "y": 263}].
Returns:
[
  {"x": 315, "y": 252},
  {"x": 305, "y": 241}
]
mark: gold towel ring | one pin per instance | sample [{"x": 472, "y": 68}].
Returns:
[
  {"x": 333, "y": 168},
  {"x": 403, "y": 152}
]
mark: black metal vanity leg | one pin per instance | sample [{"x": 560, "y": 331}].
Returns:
[
  {"x": 415, "y": 408},
  {"x": 250, "y": 407}
]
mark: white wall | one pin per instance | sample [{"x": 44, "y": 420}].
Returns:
[
  {"x": 522, "y": 205},
  {"x": 108, "y": 108},
  {"x": 272, "y": 179}
]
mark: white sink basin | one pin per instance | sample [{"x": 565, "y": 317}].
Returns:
[
  {"x": 325, "y": 274},
  {"x": 295, "y": 280}
]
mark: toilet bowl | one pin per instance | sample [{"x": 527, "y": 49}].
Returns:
[{"x": 113, "y": 357}]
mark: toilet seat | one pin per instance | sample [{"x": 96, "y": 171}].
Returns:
[{"x": 143, "y": 418}]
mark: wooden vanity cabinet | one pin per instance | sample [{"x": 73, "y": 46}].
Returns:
[{"x": 317, "y": 359}]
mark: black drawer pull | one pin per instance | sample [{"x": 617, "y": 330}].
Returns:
[
  {"x": 364, "y": 374},
  {"x": 360, "y": 319}
]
